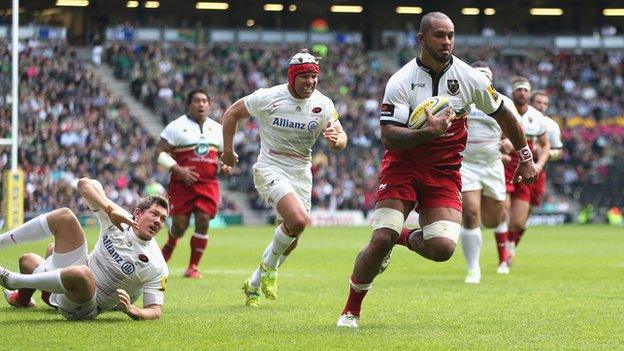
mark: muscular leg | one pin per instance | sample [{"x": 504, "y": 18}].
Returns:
[
  {"x": 199, "y": 241},
  {"x": 61, "y": 223},
  {"x": 179, "y": 224},
  {"x": 518, "y": 218},
  {"x": 295, "y": 220},
  {"x": 492, "y": 212},
  {"x": 501, "y": 234},
  {"x": 435, "y": 248}
]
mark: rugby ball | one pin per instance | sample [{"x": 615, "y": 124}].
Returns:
[{"x": 435, "y": 105}]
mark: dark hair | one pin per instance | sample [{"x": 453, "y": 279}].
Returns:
[
  {"x": 190, "y": 94},
  {"x": 148, "y": 201},
  {"x": 538, "y": 92}
]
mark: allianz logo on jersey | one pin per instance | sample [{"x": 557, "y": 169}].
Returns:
[
  {"x": 286, "y": 123},
  {"x": 126, "y": 267}
]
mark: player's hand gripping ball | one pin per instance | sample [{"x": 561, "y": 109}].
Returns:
[{"x": 436, "y": 105}]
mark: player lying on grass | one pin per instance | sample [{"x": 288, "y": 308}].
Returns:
[{"x": 125, "y": 261}]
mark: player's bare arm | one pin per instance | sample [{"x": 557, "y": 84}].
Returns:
[
  {"x": 137, "y": 313},
  {"x": 92, "y": 192},
  {"x": 398, "y": 138},
  {"x": 163, "y": 156},
  {"x": 544, "y": 153},
  {"x": 232, "y": 115},
  {"x": 526, "y": 171},
  {"x": 335, "y": 136}
]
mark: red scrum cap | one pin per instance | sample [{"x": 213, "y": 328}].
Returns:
[{"x": 302, "y": 62}]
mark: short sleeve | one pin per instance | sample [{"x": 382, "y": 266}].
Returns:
[
  {"x": 253, "y": 102},
  {"x": 169, "y": 134},
  {"x": 485, "y": 96},
  {"x": 154, "y": 290},
  {"x": 395, "y": 108}
]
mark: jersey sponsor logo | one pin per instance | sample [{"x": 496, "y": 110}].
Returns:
[
  {"x": 201, "y": 149},
  {"x": 418, "y": 85},
  {"x": 493, "y": 93},
  {"x": 312, "y": 126},
  {"x": 126, "y": 267},
  {"x": 286, "y": 123},
  {"x": 382, "y": 186},
  {"x": 387, "y": 110},
  {"x": 163, "y": 283},
  {"x": 317, "y": 110},
  {"x": 452, "y": 86}
]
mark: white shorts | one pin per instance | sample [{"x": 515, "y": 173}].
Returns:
[
  {"x": 69, "y": 309},
  {"x": 273, "y": 182},
  {"x": 487, "y": 177}
]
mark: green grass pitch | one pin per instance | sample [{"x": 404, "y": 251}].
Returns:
[{"x": 566, "y": 291}]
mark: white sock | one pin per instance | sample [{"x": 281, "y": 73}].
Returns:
[
  {"x": 502, "y": 228},
  {"x": 34, "y": 230},
  {"x": 46, "y": 281},
  {"x": 280, "y": 243},
  {"x": 255, "y": 276},
  {"x": 471, "y": 244}
]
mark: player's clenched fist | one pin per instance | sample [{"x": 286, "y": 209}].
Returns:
[{"x": 229, "y": 158}]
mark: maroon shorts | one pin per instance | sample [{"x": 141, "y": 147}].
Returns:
[
  {"x": 184, "y": 199},
  {"x": 428, "y": 187},
  {"x": 538, "y": 189},
  {"x": 531, "y": 193}
]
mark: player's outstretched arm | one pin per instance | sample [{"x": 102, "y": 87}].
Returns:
[
  {"x": 146, "y": 313},
  {"x": 232, "y": 115},
  {"x": 526, "y": 171},
  {"x": 93, "y": 194}
]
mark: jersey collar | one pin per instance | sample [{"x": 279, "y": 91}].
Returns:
[{"x": 430, "y": 70}]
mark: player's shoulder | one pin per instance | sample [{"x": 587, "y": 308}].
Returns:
[
  {"x": 212, "y": 123},
  {"x": 551, "y": 124},
  {"x": 321, "y": 98},
  {"x": 404, "y": 74},
  {"x": 271, "y": 92},
  {"x": 468, "y": 74},
  {"x": 534, "y": 113},
  {"x": 180, "y": 121}
]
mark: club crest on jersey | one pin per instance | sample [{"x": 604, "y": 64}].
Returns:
[
  {"x": 317, "y": 110},
  {"x": 201, "y": 149},
  {"x": 452, "y": 86}
]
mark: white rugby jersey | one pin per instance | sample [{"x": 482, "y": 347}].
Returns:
[
  {"x": 185, "y": 132},
  {"x": 122, "y": 260},
  {"x": 416, "y": 82},
  {"x": 484, "y": 134},
  {"x": 289, "y": 126},
  {"x": 533, "y": 123},
  {"x": 554, "y": 133}
]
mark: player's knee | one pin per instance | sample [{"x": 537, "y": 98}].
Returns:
[
  {"x": 441, "y": 237},
  {"x": 493, "y": 221},
  {"x": 77, "y": 277},
  {"x": 442, "y": 250},
  {"x": 297, "y": 223},
  {"x": 470, "y": 218},
  {"x": 382, "y": 241},
  {"x": 28, "y": 262}
]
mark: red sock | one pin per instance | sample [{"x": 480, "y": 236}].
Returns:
[
  {"x": 23, "y": 296},
  {"x": 512, "y": 236},
  {"x": 45, "y": 296},
  {"x": 198, "y": 245},
  {"x": 517, "y": 236},
  {"x": 501, "y": 245},
  {"x": 354, "y": 302},
  {"x": 167, "y": 249},
  {"x": 403, "y": 237}
]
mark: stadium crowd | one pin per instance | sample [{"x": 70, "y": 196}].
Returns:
[{"x": 72, "y": 126}]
